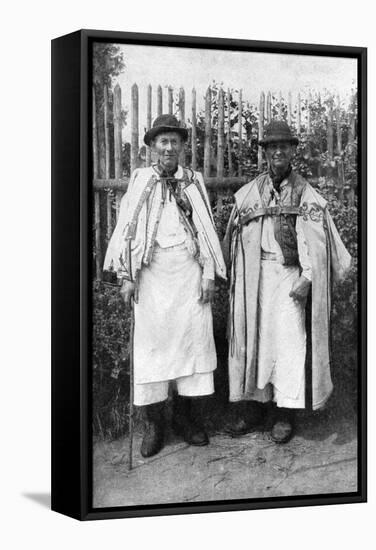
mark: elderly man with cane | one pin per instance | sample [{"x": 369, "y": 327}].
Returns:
[
  {"x": 166, "y": 252},
  {"x": 285, "y": 253}
]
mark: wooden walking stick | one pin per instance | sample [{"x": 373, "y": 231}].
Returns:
[{"x": 131, "y": 384}]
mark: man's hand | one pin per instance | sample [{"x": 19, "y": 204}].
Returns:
[
  {"x": 127, "y": 291},
  {"x": 207, "y": 291},
  {"x": 300, "y": 288}
]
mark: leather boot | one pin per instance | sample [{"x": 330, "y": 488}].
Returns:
[
  {"x": 187, "y": 420},
  {"x": 244, "y": 417},
  {"x": 283, "y": 427},
  {"x": 153, "y": 439}
]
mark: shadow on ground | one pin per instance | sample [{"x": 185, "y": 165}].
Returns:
[{"x": 44, "y": 499}]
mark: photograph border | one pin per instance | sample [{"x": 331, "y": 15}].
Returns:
[{"x": 72, "y": 207}]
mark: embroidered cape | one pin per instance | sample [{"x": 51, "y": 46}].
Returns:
[
  {"x": 133, "y": 239},
  {"x": 242, "y": 245}
]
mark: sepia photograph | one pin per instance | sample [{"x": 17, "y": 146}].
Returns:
[{"x": 225, "y": 281}]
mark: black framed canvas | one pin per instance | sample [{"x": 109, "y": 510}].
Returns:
[{"x": 185, "y": 377}]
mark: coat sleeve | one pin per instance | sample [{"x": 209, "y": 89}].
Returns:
[
  {"x": 200, "y": 180},
  {"x": 116, "y": 258},
  {"x": 340, "y": 257}
]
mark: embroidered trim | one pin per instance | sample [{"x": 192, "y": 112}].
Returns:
[{"x": 315, "y": 213}]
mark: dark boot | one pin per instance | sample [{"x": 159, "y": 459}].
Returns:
[
  {"x": 283, "y": 426},
  {"x": 244, "y": 417},
  {"x": 187, "y": 420},
  {"x": 153, "y": 439}
]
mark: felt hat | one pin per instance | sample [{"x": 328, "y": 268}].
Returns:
[
  {"x": 162, "y": 124},
  {"x": 277, "y": 130}
]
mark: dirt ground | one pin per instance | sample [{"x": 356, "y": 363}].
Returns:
[{"x": 320, "y": 459}]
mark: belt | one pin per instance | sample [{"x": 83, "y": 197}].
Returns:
[
  {"x": 270, "y": 211},
  {"x": 271, "y": 256},
  {"x": 179, "y": 246}
]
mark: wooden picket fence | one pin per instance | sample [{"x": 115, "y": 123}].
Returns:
[{"x": 108, "y": 191}]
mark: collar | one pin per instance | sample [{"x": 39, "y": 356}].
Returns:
[{"x": 177, "y": 175}]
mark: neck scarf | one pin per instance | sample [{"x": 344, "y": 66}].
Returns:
[{"x": 278, "y": 179}]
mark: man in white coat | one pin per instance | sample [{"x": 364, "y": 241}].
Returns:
[
  {"x": 166, "y": 252},
  {"x": 285, "y": 251}
]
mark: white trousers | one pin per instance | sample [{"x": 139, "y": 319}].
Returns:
[{"x": 194, "y": 385}]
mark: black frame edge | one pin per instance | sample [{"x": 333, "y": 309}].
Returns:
[
  {"x": 362, "y": 278},
  {"x": 66, "y": 470}
]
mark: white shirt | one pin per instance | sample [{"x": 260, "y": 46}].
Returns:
[{"x": 172, "y": 231}]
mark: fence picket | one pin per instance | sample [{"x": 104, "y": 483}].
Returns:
[
  {"x": 229, "y": 152},
  {"x": 240, "y": 131},
  {"x": 261, "y": 130},
  {"x": 194, "y": 131},
  {"x": 280, "y": 109},
  {"x": 298, "y": 115},
  {"x": 269, "y": 107},
  {"x": 289, "y": 109},
  {"x": 220, "y": 135},
  {"x": 182, "y": 120},
  {"x": 117, "y": 142},
  {"x": 95, "y": 136},
  {"x": 148, "y": 121},
  {"x": 97, "y": 219},
  {"x": 134, "y": 127},
  {"x": 159, "y": 100},
  {"x": 330, "y": 130},
  {"x": 207, "y": 142},
  {"x": 309, "y": 113},
  {"x": 106, "y": 132},
  {"x": 220, "y": 142},
  {"x": 170, "y": 100},
  {"x": 107, "y": 166},
  {"x": 340, "y": 167}
]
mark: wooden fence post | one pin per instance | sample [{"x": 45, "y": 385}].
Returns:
[
  {"x": 309, "y": 113},
  {"x": 298, "y": 115},
  {"x": 97, "y": 217},
  {"x": 220, "y": 143},
  {"x": 330, "y": 130},
  {"x": 95, "y": 136},
  {"x": 107, "y": 156},
  {"x": 159, "y": 100},
  {"x": 106, "y": 132},
  {"x": 117, "y": 142},
  {"x": 351, "y": 135},
  {"x": 229, "y": 157},
  {"x": 240, "y": 132},
  {"x": 350, "y": 195},
  {"x": 207, "y": 142},
  {"x": 280, "y": 110},
  {"x": 338, "y": 125},
  {"x": 134, "y": 127},
  {"x": 261, "y": 130},
  {"x": 148, "y": 121},
  {"x": 269, "y": 107},
  {"x": 182, "y": 121},
  {"x": 170, "y": 101},
  {"x": 340, "y": 167},
  {"x": 194, "y": 131},
  {"x": 289, "y": 109}
]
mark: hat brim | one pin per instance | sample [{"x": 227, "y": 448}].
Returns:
[
  {"x": 154, "y": 132},
  {"x": 293, "y": 140}
]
